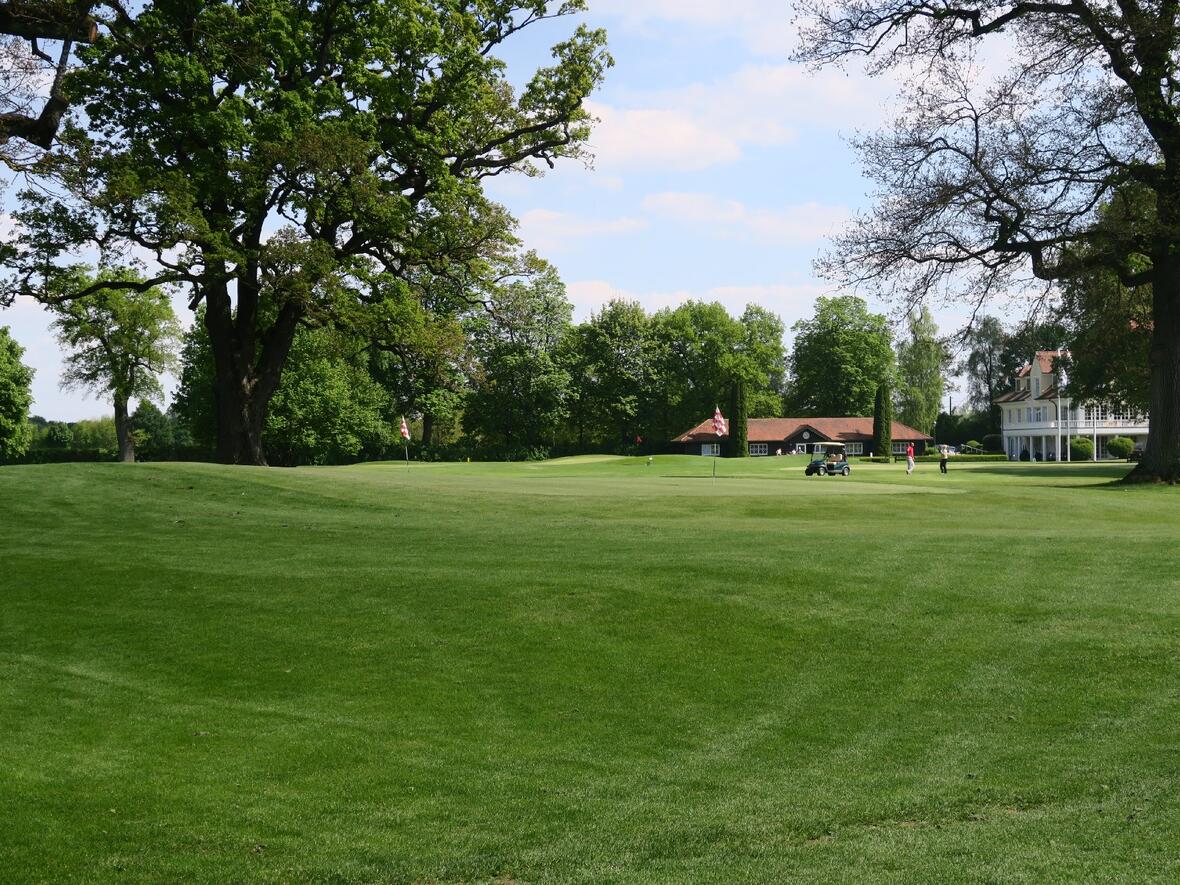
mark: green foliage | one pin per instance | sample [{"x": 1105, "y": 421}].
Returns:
[
  {"x": 371, "y": 131},
  {"x": 984, "y": 369},
  {"x": 192, "y": 401},
  {"x": 522, "y": 386},
  {"x": 840, "y": 357},
  {"x": 921, "y": 361},
  {"x": 116, "y": 340},
  {"x": 739, "y": 446},
  {"x": 883, "y": 421},
  {"x": 153, "y": 430},
  {"x": 57, "y": 435},
  {"x": 611, "y": 359},
  {"x": 1081, "y": 448},
  {"x": 1120, "y": 446},
  {"x": 1108, "y": 325},
  {"x": 328, "y": 408},
  {"x": 15, "y": 398},
  {"x": 697, "y": 346},
  {"x": 993, "y": 442},
  {"x": 974, "y": 444},
  {"x": 959, "y": 428},
  {"x": 95, "y": 434},
  {"x": 763, "y": 363},
  {"x": 989, "y": 456}
]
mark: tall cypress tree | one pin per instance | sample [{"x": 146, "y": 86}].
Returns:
[
  {"x": 883, "y": 421},
  {"x": 738, "y": 428}
]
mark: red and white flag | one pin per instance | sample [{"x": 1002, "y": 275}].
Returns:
[
  {"x": 719, "y": 426},
  {"x": 405, "y": 429}
]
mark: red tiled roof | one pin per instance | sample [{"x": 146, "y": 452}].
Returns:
[
  {"x": 1045, "y": 360},
  {"x": 778, "y": 429}
]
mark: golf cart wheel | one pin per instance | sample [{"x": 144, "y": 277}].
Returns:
[
  {"x": 822, "y": 471},
  {"x": 846, "y": 471}
]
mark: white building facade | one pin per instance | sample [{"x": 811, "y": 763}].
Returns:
[{"x": 1036, "y": 417}]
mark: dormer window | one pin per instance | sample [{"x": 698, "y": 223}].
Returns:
[{"x": 1037, "y": 386}]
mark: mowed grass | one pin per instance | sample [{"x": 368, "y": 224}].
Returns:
[{"x": 588, "y": 670}]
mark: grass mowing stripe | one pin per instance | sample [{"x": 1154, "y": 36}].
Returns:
[{"x": 587, "y": 670}]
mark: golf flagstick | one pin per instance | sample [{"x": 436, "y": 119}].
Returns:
[{"x": 406, "y": 441}]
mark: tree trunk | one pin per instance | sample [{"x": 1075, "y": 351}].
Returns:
[
  {"x": 248, "y": 365},
  {"x": 1161, "y": 459},
  {"x": 123, "y": 430},
  {"x": 427, "y": 428}
]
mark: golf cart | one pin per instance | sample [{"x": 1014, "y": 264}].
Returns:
[{"x": 829, "y": 462}]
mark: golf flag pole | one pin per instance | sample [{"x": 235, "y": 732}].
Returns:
[
  {"x": 719, "y": 428},
  {"x": 406, "y": 440}
]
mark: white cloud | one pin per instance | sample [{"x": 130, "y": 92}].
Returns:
[
  {"x": 703, "y": 125},
  {"x": 788, "y": 226},
  {"x": 653, "y": 138},
  {"x": 548, "y": 231}
]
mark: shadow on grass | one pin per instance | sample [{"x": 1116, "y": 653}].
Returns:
[{"x": 1113, "y": 473}]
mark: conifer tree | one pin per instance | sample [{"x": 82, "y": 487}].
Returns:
[
  {"x": 738, "y": 427},
  {"x": 883, "y": 421}
]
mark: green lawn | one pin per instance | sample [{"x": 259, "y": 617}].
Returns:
[{"x": 588, "y": 670}]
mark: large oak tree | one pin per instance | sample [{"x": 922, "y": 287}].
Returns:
[
  {"x": 366, "y": 129},
  {"x": 983, "y": 184}
]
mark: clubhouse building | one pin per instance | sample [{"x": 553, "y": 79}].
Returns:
[
  {"x": 790, "y": 436},
  {"x": 1038, "y": 418}
]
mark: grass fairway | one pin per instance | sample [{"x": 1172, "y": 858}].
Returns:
[{"x": 588, "y": 670}]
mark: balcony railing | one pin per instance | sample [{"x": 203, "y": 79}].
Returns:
[{"x": 1079, "y": 426}]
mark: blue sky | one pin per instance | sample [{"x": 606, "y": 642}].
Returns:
[{"x": 720, "y": 170}]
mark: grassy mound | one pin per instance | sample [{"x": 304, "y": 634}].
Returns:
[{"x": 588, "y": 670}]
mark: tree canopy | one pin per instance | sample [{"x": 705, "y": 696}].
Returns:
[
  {"x": 116, "y": 341},
  {"x": 15, "y": 398},
  {"x": 365, "y": 135},
  {"x": 921, "y": 360},
  {"x": 839, "y": 358}
]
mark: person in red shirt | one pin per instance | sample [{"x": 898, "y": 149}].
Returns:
[{"x": 909, "y": 459}]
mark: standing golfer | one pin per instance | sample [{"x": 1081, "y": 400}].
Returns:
[
  {"x": 909, "y": 459},
  {"x": 944, "y": 453}
]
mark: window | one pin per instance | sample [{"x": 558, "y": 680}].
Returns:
[
  {"x": 713, "y": 449},
  {"x": 1028, "y": 414},
  {"x": 855, "y": 448},
  {"x": 1037, "y": 386},
  {"x": 800, "y": 448},
  {"x": 759, "y": 448},
  {"x": 899, "y": 448}
]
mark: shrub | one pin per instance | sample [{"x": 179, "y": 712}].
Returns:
[
  {"x": 1081, "y": 448},
  {"x": 876, "y": 459},
  {"x": 993, "y": 442},
  {"x": 1120, "y": 446},
  {"x": 973, "y": 444},
  {"x": 955, "y": 459}
]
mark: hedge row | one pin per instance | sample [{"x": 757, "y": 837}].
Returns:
[{"x": 958, "y": 458}]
